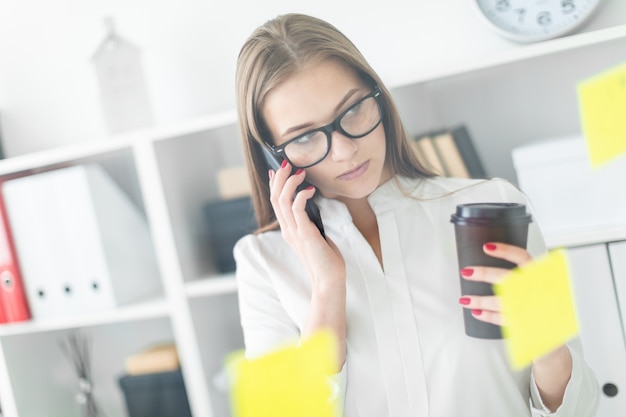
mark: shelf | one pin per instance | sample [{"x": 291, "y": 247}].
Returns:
[
  {"x": 38, "y": 161},
  {"x": 215, "y": 285},
  {"x": 37, "y": 367},
  {"x": 45, "y": 159},
  {"x": 515, "y": 54},
  {"x": 144, "y": 311},
  {"x": 193, "y": 126}
]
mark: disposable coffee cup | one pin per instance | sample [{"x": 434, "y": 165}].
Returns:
[{"x": 475, "y": 225}]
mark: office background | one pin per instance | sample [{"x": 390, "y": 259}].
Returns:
[{"x": 443, "y": 65}]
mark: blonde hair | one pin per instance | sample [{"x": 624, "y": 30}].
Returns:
[{"x": 272, "y": 54}]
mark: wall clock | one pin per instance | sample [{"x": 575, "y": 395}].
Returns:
[{"x": 534, "y": 20}]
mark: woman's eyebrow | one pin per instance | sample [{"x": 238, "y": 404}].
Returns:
[
  {"x": 341, "y": 103},
  {"x": 346, "y": 98}
]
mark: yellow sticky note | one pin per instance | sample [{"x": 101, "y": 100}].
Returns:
[
  {"x": 602, "y": 103},
  {"x": 537, "y": 307},
  {"x": 291, "y": 381}
]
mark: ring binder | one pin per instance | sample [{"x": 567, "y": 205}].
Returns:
[
  {"x": 13, "y": 303},
  {"x": 83, "y": 245}
]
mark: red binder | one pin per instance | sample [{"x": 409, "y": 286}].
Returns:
[{"x": 13, "y": 303}]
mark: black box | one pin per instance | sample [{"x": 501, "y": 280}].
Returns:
[
  {"x": 229, "y": 220},
  {"x": 155, "y": 395}
]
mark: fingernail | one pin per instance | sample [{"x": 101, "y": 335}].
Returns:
[
  {"x": 464, "y": 300},
  {"x": 490, "y": 246},
  {"x": 270, "y": 173},
  {"x": 477, "y": 312},
  {"x": 467, "y": 272},
  {"x": 310, "y": 187},
  {"x": 299, "y": 171},
  {"x": 284, "y": 164}
]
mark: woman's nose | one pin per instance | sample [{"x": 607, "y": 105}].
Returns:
[{"x": 342, "y": 148}]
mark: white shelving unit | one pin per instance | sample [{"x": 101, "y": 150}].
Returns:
[
  {"x": 524, "y": 94},
  {"x": 170, "y": 174}
]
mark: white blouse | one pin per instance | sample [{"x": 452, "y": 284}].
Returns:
[{"x": 407, "y": 352}]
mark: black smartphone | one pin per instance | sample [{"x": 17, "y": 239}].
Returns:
[{"x": 274, "y": 162}]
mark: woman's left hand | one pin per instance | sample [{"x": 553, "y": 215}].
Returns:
[
  {"x": 552, "y": 371},
  {"x": 488, "y": 308}
]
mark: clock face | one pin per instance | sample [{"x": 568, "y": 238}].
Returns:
[{"x": 535, "y": 20}]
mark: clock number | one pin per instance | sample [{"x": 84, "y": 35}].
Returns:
[
  {"x": 503, "y": 5},
  {"x": 535, "y": 20},
  {"x": 521, "y": 14},
  {"x": 568, "y": 6},
  {"x": 544, "y": 18}
]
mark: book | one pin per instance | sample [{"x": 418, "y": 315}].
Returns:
[
  {"x": 13, "y": 302},
  {"x": 233, "y": 183},
  {"x": 228, "y": 221},
  {"x": 465, "y": 145},
  {"x": 429, "y": 157},
  {"x": 160, "y": 394},
  {"x": 158, "y": 358},
  {"x": 449, "y": 155}
]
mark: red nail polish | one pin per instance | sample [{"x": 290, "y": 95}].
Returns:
[
  {"x": 490, "y": 246},
  {"x": 310, "y": 187},
  {"x": 464, "y": 300},
  {"x": 270, "y": 173},
  {"x": 477, "y": 312},
  {"x": 284, "y": 164},
  {"x": 467, "y": 272},
  {"x": 299, "y": 171}
]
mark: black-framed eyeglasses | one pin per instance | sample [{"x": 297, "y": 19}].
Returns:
[{"x": 310, "y": 148}]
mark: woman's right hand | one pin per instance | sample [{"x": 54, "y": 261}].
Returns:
[{"x": 321, "y": 256}]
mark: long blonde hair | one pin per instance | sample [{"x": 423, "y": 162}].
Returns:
[{"x": 272, "y": 54}]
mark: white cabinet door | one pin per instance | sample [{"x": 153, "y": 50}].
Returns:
[{"x": 600, "y": 326}]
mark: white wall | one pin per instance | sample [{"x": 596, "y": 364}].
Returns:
[{"x": 48, "y": 90}]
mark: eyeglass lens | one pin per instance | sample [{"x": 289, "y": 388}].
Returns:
[{"x": 356, "y": 122}]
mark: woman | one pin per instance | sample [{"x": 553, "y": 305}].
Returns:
[{"x": 384, "y": 277}]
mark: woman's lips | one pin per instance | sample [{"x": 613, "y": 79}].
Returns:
[{"x": 354, "y": 173}]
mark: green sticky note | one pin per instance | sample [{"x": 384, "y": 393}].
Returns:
[
  {"x": 537, "y": 308},
  {"x": 602, "y": 103},
  {"x": 291, "y": 381}
]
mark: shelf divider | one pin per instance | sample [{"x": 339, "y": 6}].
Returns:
[{"x": 173, "y": 281}]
